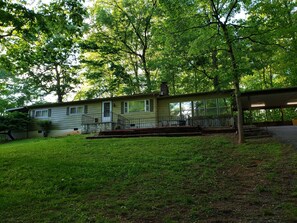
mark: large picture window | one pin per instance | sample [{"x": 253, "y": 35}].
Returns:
[
  {"x": 199, "y": 108},
  {"x": 181, "y": 109},
  {"x": 206, "y": 107},
  {"x": 138, "y": 106},
  {"x": 212, "y": 107},
  {"x": 174, "y": 109}
]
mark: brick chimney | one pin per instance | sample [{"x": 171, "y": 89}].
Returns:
[{"x": 164, "y": 91}]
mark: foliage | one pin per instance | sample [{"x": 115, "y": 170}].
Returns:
[
  {"x": 17, "y": 20},
  {"x": 14, "y": 121},
  {"x": 45, "y": 126},
  {"x": 185, "y": 179},
  {"x": 49, "y": 63},
  {"x": 117, "y": 53}
]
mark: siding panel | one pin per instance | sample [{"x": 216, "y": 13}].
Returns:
[{"x": 62, "y": 121}]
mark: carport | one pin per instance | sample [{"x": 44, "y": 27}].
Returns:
[{"x": 278, "y": 98}]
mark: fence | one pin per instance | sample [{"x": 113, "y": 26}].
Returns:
[{"x": 94, "y": 122}]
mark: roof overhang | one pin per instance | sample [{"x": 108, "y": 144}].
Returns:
[
  {"x": 19, "y": 109},
  {"x": 221, "y": 93},
  {"x": 269, "y": 99},
  {"x": 96, "y": 100}
]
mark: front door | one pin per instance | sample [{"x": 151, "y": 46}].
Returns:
[{"x": 106, "y": 111}]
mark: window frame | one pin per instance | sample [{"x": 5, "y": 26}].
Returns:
[
  {"x": 181, "y": 111},
  {"x": 146, "y": 106},
  {"x": 206, "y": 106},
  {"x": 41, "y": 111},
  {"x": 76, "y": 109}
]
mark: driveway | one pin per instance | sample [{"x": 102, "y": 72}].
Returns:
[{"x": 286, "y": 134}]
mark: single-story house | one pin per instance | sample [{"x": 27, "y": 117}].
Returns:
[{"x": 208, "y": 109}]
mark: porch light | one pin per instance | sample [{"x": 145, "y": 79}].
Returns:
[
  {"x": 292, "y": 103},
  {"x": 258, "y": 105}
]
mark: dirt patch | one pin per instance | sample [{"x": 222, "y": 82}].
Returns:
[{"x": 259, "y": 193}]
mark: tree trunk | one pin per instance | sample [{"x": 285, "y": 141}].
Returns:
[
  {"x": 58, "y": 86},
  {"x": 195, "y": 81},
  {"x": 147, "y": 74},
  {"x": 236, "y": 79},
  {"x": 173, "y": 83},
  {"x": 136, "y": 88},
  {"x": 215, "y": 66},
  {"x": 239, "y": 113}
]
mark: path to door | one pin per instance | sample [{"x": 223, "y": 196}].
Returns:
[{"x": 287, "y": 134}]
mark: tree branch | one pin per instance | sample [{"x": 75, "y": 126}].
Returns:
[
  {"x": 195, "y": 27},
  {"x": 230, "y": 11},
  {"x": 8, "y": 34}
]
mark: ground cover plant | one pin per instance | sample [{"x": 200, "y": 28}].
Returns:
[{"x": 187, "y": 179}]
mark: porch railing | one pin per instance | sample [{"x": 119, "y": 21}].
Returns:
[
  {"x": 213, "y": 122},
  {"x": 166, "y": 121},
  {"x": 94, "y": 122}
]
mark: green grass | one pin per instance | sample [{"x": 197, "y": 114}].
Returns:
[{"x": 186, "y": 179}]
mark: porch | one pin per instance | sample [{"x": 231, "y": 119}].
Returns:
[{"x": 94, "y": 123}]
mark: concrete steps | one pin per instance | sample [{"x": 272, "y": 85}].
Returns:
[{"x": 254, "y": 132}]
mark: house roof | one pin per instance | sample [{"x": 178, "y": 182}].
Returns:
[
  {"x": 19, "y": 109},
  {"x": 200, "y": 94},
  {"x": 266, "y": 99},
  {"x": 79, "y": 102},
  {"x": 270, "y": 98},
  {"x": 135, "y": 96}
]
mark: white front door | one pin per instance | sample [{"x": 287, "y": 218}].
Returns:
[{"x": 106, "y": 111}]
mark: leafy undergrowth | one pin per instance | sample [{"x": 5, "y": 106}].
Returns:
[{"x": 186, "y": 179}]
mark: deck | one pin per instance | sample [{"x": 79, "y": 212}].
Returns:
[{"x": 159, "y": 132}]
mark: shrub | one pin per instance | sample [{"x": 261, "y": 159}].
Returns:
[
  {"x": 14, "y": 121},
  {"x": 45, "y": 126}
]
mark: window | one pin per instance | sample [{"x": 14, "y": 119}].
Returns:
[
  {"x": 199, "y": 108},
  {"x": 41, "y": 113},
  {"x": 76, "y": 110},
  {"x": 212, "y": 107},
  {"x": 174, "y": 109},
  {"x": 186, "y": 108},
  {"x": 181, "y": 108},
  {"x": 137, "y": 106},
  {"x": 224, "y": 106}
]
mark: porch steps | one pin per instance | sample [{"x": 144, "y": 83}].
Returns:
[
  {"x": 254, "y": 132},
  {"x": 146, "y": 135},
  {"x": 218, "y": 130},
  {"x": 143, "y": 132}
]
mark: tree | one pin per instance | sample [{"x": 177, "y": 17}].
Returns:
[
  {"x": 16, "y": 20},
  {"x": 49, "y": 63},
  {"x": 13, "y": 121},
  {"x": 120, "y": 42}
]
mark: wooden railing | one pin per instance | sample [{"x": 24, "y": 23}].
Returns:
[
  {"x": 213, "y": 121},
  {"x": 94, "y": 123}
]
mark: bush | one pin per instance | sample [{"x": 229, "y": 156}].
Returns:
[
  {"x": 14, "y": 121},
  {"x": 45, "y": 126}
]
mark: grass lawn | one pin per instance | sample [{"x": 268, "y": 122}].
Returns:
[{"x": 186, "y": 179}]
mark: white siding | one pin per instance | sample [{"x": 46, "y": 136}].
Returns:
[{"x": 62, "y": 121}]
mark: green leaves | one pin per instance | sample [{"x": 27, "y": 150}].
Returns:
[
  {"x": 14, "y": 121},
  {"x": 130, "y": 46}
]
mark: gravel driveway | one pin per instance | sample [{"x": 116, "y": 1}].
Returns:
[{"x": 287, "y": 134}]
